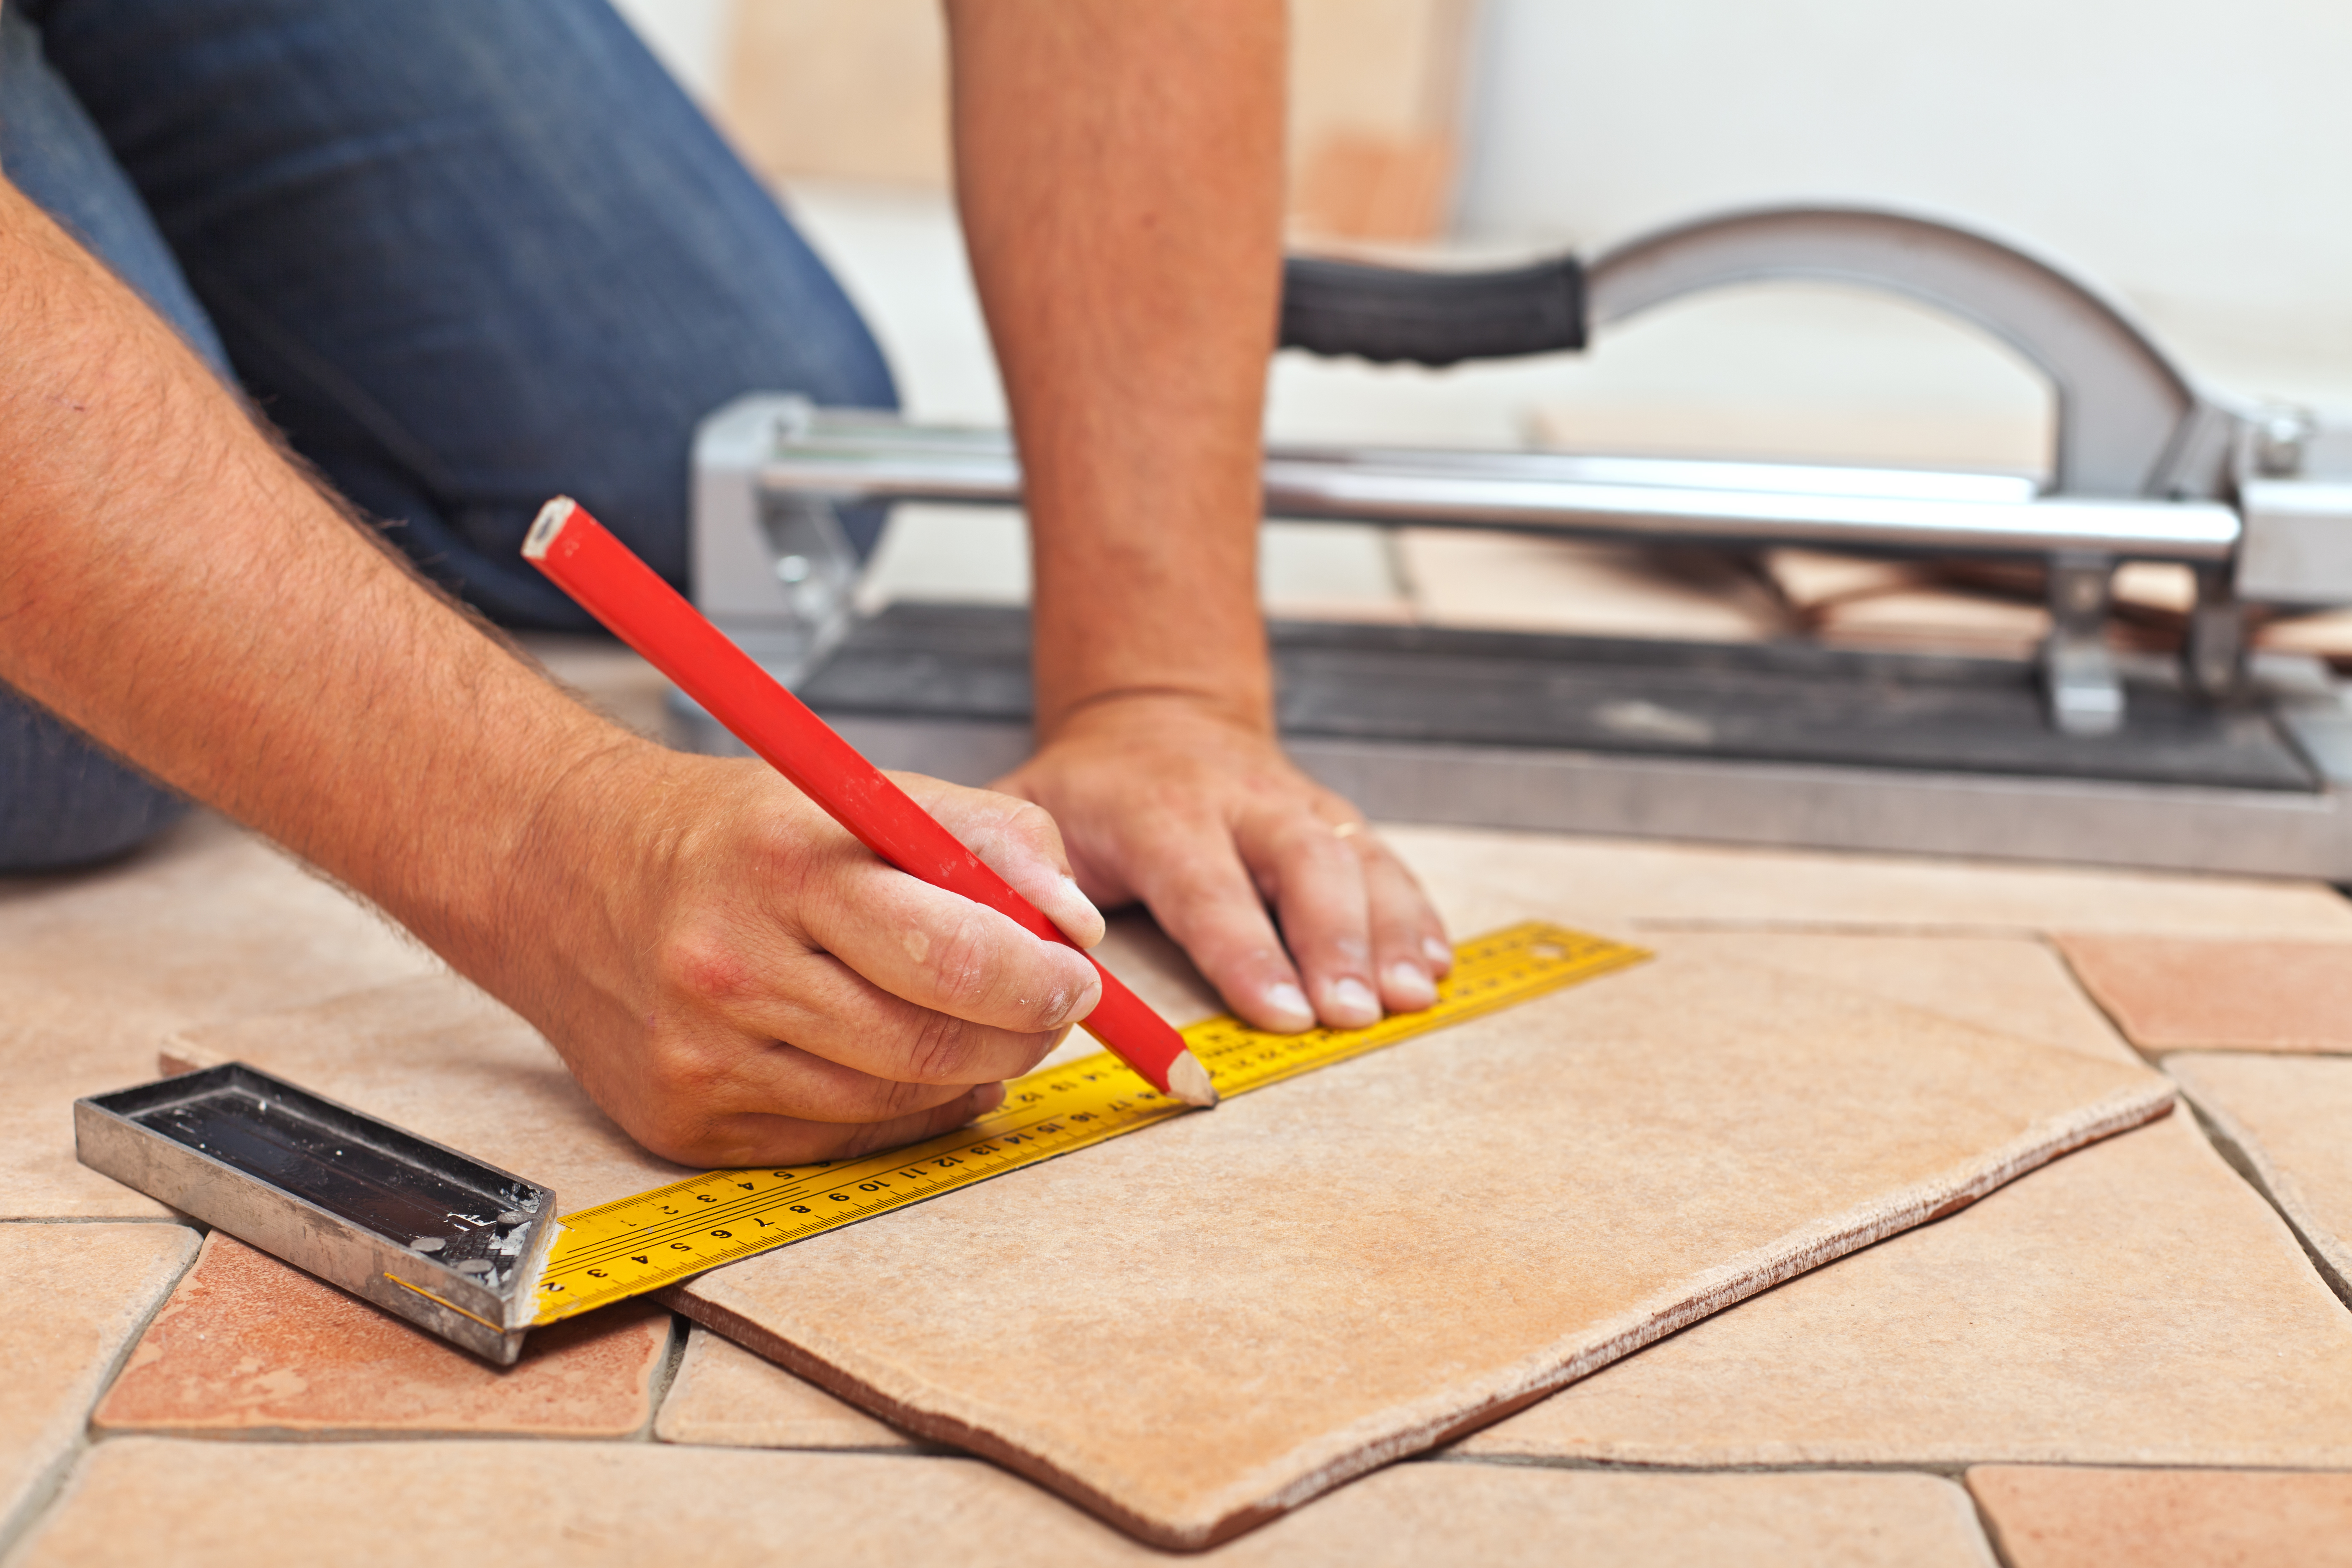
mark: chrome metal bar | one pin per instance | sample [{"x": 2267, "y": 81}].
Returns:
[{"x": 1857, "y": 508}]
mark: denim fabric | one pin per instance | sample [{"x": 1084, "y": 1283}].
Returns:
[
  {"x": 50, "y": 151},
  {"x": 467, "y": 254},
  {"x": 62, "y": 801}
]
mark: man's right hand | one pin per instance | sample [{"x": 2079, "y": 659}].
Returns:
[
  {"x": 734, "y": 978},
  {"x": 737, "y": 981}
]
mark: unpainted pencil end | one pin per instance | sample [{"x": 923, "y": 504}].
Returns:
[
  {"x": 1187, "y": 1081},
  {"x": 546, "y": 526}
]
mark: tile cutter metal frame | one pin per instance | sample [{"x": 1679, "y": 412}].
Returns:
[{"x": 2218, "y": 761}]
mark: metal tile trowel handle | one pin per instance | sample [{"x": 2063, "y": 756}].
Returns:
[{"x": 1389, "y": 313}]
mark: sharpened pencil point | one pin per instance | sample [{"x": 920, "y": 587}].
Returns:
[{"x": 1187, "y": 1081}]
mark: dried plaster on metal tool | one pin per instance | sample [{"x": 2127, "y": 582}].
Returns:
[{"x": 436, "y": 1237}]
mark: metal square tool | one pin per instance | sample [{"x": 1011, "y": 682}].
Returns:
[{"x": 438, "y": 1237}]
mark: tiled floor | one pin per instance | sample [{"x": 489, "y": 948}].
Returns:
[
  {"x": 2139, "y": 1303},
  {"x": 2133, "y": 1356}
]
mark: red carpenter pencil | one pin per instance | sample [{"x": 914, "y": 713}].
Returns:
[{"x": 610, "y": 583}]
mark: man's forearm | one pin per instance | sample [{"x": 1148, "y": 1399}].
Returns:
[
  {"x": 1119, "y": 165},
  {"x": 173, "y": 586},
  {"x": 732, "y": 977}
]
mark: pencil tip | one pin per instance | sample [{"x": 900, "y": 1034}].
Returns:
[{"x": 1187, "y": 1081}]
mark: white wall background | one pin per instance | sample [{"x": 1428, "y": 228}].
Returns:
[
  {"x": 690, "y": 36},
  {"x": 2191, "y": 154},
  {"x": 2182, "y": 153}
]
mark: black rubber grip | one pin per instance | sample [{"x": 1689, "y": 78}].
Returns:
[{"x": 1390, "y": 313}]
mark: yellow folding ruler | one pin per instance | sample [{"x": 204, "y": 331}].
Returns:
[{"x": 635, "y": 1245}]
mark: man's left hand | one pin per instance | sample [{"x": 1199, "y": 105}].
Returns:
[{"x": 1166, "y": 800}]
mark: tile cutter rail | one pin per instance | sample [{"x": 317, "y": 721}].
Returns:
[{"x": 2218, "y": 761}]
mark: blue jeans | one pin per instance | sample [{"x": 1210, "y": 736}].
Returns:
[{"x": 467, "y": 254}]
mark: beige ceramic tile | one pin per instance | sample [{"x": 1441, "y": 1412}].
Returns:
[
  {"x": 441, "y": 1058},
  {"x": 2136, "y": 1303},
  {"x": 1480, "y": 876},
  {"x": 2009, "y": 984},
  {"x": 2198, "y": 994},
  {"x": 72, "y": 1298},
  {"x": 2064, "y": 1518},
  {"x": 248, "y": 1344},
  {"x": 96, "y": 968},
  {"x": 2289, "y": 1120},
  {"x": 1191, "y": 1328},
  {"x": 1516, "y": 583},
  {"x": 587, "y": 1505},
  {"x": 726, "y": 1396},
  {"x": 1936, "y": 619}
]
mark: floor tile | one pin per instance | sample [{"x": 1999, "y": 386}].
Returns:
[
  {"x": 2208, "y": 994},
  {"x": 2011, "y": 985},
  {"x": 2289, "y": 1120},
  {"x": 250, "y": 1345},
  {"x": 95, "y": 968},
  {"x": 591, "y": 1505},
  {"x": 2135, "y": 1303},
  {"x": 1231, "y": 1312},
  {"x": 1516, "y": 583},
  {"x": 72, "y": 1298},
  {"x": 2066, "y": 1518},
  {"x": 1478, "y": 875},
  {"x": 441, "y": 1058},
  {"x": 726, "y": 1396}
]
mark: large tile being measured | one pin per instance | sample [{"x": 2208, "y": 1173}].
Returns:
[
  {"x": 590, "y": 1505},
  {"x": 1195, "y": 1328},
  {"x": 210, "y": 923},
  {"x": 2062, "y": 1517},
  {"x": 248, "y": 1344},
  {"x": 2204, "y": 994},
  {"x": 2135, "y": 1303},
  {"x": 1478, "y": 875},
  {"x": 72, "y": 1298},
  {"x": 2288, "y": 1120},
  {"x": 727, "y": 1395}
]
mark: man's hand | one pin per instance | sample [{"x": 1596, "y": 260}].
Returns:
[
  {"x": 734, "y": 977},
  {"x": 1119, "y": 170},
  {"x": 1198, "y": 815},
  {"x": 737, "y": 981}
]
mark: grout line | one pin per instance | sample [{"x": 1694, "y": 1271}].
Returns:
[
  {"x": 40, "y": 1497},
  {"x": 664, "y": 1375},
  {"x": 104, "y": 1220},
  {"x": 1949, "y": 1470},
  {"x": 300, "y": 1436},
  {"x": 1946, "y": 1469},
  {"x": 2085, "y": 990},
  {"x": 1995, "y": 1546},
  {"x": 2240, "y": 1159}
]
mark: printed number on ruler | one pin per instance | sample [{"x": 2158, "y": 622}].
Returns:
[{"x": 635, "y": 1245}]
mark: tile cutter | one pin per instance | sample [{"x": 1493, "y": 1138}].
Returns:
[{"x": 2221, "y": 760}]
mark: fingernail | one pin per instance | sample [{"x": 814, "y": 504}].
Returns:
[
  {"x": 1354, "y": 1002},
  {"x": 1409, "y": 985},
  {"x": 1437, "y": 952},
  {"x": 987, "y": 1097},
  {"x": 1290, "y": 1002}
]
